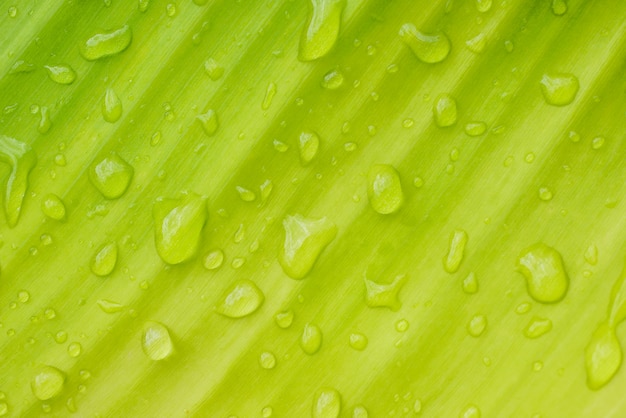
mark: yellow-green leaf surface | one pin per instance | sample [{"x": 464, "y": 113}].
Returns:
[{"x": 294, "y": 208}]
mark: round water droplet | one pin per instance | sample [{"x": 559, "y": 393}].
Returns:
[
  {"x": 23, "y": 296},
  {"x": 477, "y": 325},
  {"x": 240, "y": 299},
  {"x": 105, "y": 259},
  {"x": 537, "y": 327},
  {"x": 267, "y": 360},
  {"x": 213, "y": 259},
  {"x": 384, "y": 189},
  {"x": 47, "y": 383},
  {"x": 470, "y": 283},
  {"x": 311, "y": 339},
  {"x": 12, "y": 11},
  {"x": 597, "y": 142},
  {"x": 111, "y": 175},
  {"x": 156, "y": 341},
  {"x": 50, "y": 313},
  {"x": 429, "y": 48},
  {"x": 475, "y": 128},
  {"x": 61, "y": 74},
  {"x": 445, "y": 111},
  {"x": 542, "y": 266},
  {"x": 559, "y": 89},
  {"x": 74, "y": 349},
  {"x": 456, "y": 251},
  {"x": 545, "y": 194},
  {"x": 402, "y": 325},
  {"x": 284, "y": 319},
  {"x": 358, "y": 341},
  {"x": 111, "y": 106},
  {"x": 326, "y": 403},
  {"x": 60, "y": 337},
  {"x": 105, "y": 44},
  {"x": 308, "y": 144},
  {"x": 267, "y": 412},
  {"x": 573, "y": 136},
  {"x": 333, "y": 80}
]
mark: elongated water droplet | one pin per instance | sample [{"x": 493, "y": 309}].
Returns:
[
  {"x": 45, "y": 123},
  {"x": 477, "y": 44},
  {"x": 475, "y": 128},
  {"x": 105, "y": 259},
  {"x": 456, "y": 251},
  {"x": 213, "y": 259},
  {"x": 429, "y": 48},
  {"x": 537, "y": 327},
  {"x": 47, "y": 383},
  {"x": 111, "y": 106},
  {"x": 111, "y": 175},
  {"x": 21, "y": 157},
  {"x": 178, "y": 226},
  {"x": 333, "y": 80},
  {"x": 471, "y": 411},
  {"x": 617, "y": 304},
  {"x": 384, "y": 295},
  {"x": 109, "y": 306},
  {"x": 603, "y": 356},
  {"x": 270, "y": 92},
  {"x": 321, "y": 29},
  {"x": 213, "y": 69},
  {"x": 384, "y": 189},
  {"x": 53, "y": 207},
  {"x": 241, "y": 299},
  {"x": 559, "y": 89},
  {"x": 156, "y": 341},
  {"x": 209, "y": 122},
  {"x": 470, "y": 283},
  {"x": 61, "y": 73},
  {"x": 542, "y": 266},
  {"x": 358, "y": 341},
  {"x": 477, "y": 325},
  {"x": 305, "y": 239},
  {"x": 105, "y": 44},
  {"x": 591, "y": 255},
  {"x": 21, "y": 66},
  {"x": 311, "y": 338},
  {"x": 326, "y": 403},
  {"x": 444, "y": 111},
  {"x": 308, "y": 144}
]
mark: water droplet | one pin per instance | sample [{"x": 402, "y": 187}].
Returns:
[
  {"x": 523, "y": 308},
  {"x": 47, "y": 383},
  {"x": 105, "y": 259},
  {"x": 109, "y": 306},
  {"x": 111, "y": 106},
  {"x": 597, "y": 142},
  {"x": 61, "y": 73},
  {"x": 573, "y": 136},
  {"x": 170, "y": 9},
  {"x": 529, "y": 158},
  {"x": 105, "y": 44},
  {"x": 384, "y": 189},
  {"x": 477, "y": 325},
  {"x": 333, "y": 80},
  {"x": 4, "y": 409},
  {"x": 284, "y": 319},
  {"x": 111, "y": 175},
  {"x": 213, "y": 259},
  {"x": 178, "y": 226},
  {"x": 456, "y": 251},
  {"x": 308, "y": 144},
  {"x": 358, "y": 341},
  {"x": 143, "y": 5},
  {"x": 74, "y": 349},
  {"x": 267, "y": 360},
  {"x": 209, "y": 122},
  {"x": 270, "y": 92},
  {"x": 23, "y": 296},
  {"x": 545, "y": 194},
  {"x": 471, "y": 411},
  {"x": 455, "y": 154},
  {"x": 445, "y": 111},
  {"x": 267, "y": 412},
  {"x": 60, "y": 337},
  {"x": 559, "y": 7},
  {"x": 45, "y": 123},
  {"x": 311, "y": 338},
  {"x": 21, "y": 66},
  {"x": 483, "y": 6},
  {"x": 326, "y": 403},
  {"x": 542, "y": 266},
  {"x": 21, "y": 157},
  {"x": 50, "y": 313},
  {"x": 429, "y": 48},
  {"x": 213, "y": 69},
  {"x": 384, "y": 294},
  {"x": 305, "y": 239},
  {"x": 418, "y": 182},
  {"x": 321, "y": 29},
  {"x": 470, "y": 283},
  {"x": 245, "y": 194},
  {"x": 359, "y": 411},
  {"x": 402, "y": 325},
  {"x": 591, "y": 255},
  {"x": 156, "y": 341},
  {"x": 603, "y": 356},
  {"x": 509, "y": 46},
  {"x": 417, "y": 406},
  {"x": 475, "y": 128},
  {"x": 559, "y": 89},
  {"x": 12, "y": 11},
  {"x": 537, "y": 327},
  {"x": 240, "y": 234},
  {"x": 477, "y": 44},
  {"x": 241, "y": 299}
]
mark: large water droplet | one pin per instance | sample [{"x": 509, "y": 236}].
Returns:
[
  {"x": 603, "y": 356},
  {"x": 326, "y": 403},
  {"x": 542, "y": 266},
  {"x": 321, "y": 30},
  {"x": 105, "y": 259},
  {"x": 156, "y": 341},
  {"x": 105, "y": 44},
  {"x": 209, "y": 122},
  {"x": 111, "y": 175},
  {"x": 305, "y": 239},
  {"x": 308, "y": 144},
  {"x": 178, "y": 226},
  {"x": 53, "y": 207},
  {"x": 47, "y": 383},
  {"x": 429, "y": 48},
  {"x": 444, "y": 110},
  {"x": 384, "y": 189},
  {"x": 311, "y": 338},
  {"x": 61, "y": 73},
  {"x": 537, "y": 327},
  {"x": 111, "y": 106},
  {"x": 559, "y": 89},
  {"x": 384, "y": 295},
  {"x": 456, "y": 251},
  {"x": 240, "y": 299},
  {"x": 21, "y": 157},
  {"x": 559, "y": 7}
]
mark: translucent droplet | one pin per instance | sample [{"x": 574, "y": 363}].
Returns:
[
  {"x": 50, "y": 313},
  {"x": 417, "y": 406},
  {"x": 471, "y": 411},
  {"x": 305, "y": 239},
  {"x": 470, "y": 283},
  {"x": 213, "y": 69},
  {"x": 267, "y": 360},
  {"x": 178, "y": 226},
  {"x": 537, "y": 327},
  {"x": 284, "y": 319},
  {"x": 591, "y": 255},
  {"x": 308, "y": 144},
  {"x": 209, "y": 122},
  {"x": 241, "y": 299},
  {"x": 326, "y": 403},
  {"x": 143, "y": 5},
  {"x": 477, "y": 44},
  {"x": 384, "y": 189},
  {"x": 529, "y": 158},
  {"x": 359, "y": 411},
  {"x": 573, "y": 136},
  {"x": 21, "y": 66},
  {"x": 111, "y": 106},
  {"x": 429, "y": 48},
  {"x": 456, "y": 251},
  {"x": 597, "y": 142},
  {"x": 60, "y": 337},
  {"x": 333, "y": 80},
  {"x": 477, "y": 325},
  {"x": 523, "y": 308},
  {"x": 542, "y": 266},
  {"x": 105, "y": 44},
  {"x": 603, "y": 356},
  {"x": 418, "y": 182},
  {"x": 156, "y": 341},
  {"x": 12, "y": 11},
  {"x": 53, "y": 207},
  {"x": 267, "y": 412},
  {"x": 321, "y": 29},
  {"x": 213, "y": 259},
  {"x": 384, "y": 295},
  {"x": 280, "y": 146},
  {"x": 483, "y": 6},
  {"x": 105, "y": 259},
  {"x": 109, "y": 306},
  {"x": 111, "y": 175},
  {"x": 47, "y": 383},
  {"x": 270, "y": 92},
  {"x": 61, "y": 74},
  {"x": 475, "y": 128},
  {"x": 545, "y": 194},
  {"x": 311, "y": 338},
  {"x": 358, "y": 341},
  {"x": 74, "y": 349},
  {"x": 445, "y": 111},
  {"x": 23, "y": 296},
  {"x": 509, "y": 46},
  {"x": 559, "y": 7},
  {"x": 170, "y": 9},
  {"x": 21, "y": 157},
  {"x": 402, "y": 325},
  {"x": 45, "y": 123},
  {"x": 245, "y": 194},
  {"x": 537, "y": 366},
  {"x": 559, "y": 89}
]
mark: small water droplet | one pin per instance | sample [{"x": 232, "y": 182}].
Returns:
[
  {"x": 143, "y": 5},
  {"x": 156, "y": 341},
  {"x": 384, "y": 294},
  {"x": 105, "y": 44},
  {"x": 209, "y": 122},
  {"x": 21, "y": 66},
  {"x": 213, "y": 259},
  {"x": 74, "y": 349},
  {"x": 537, "y": 327},
  {"x": 573, "y": 136},
  {"x": 48, "y": 383},
  {"x": 23, "y": 296},
  {"x": 456, "y": 250},
  {"x": 308, "y": 144},
  {"x": 61, "y": 73},
  {"x": 597, "y": 142},
  {"x": 267, "y": 412},
  {"x": 60, "y": 337},
  {"x": 267, "y": 360},
  {"x": 50, "y": 313},
  {"x": 284, "y": 319},
  {"x": 4, "y": 409},
  {"x": 475, "y": 128},
  {"x": 108, "y": 306},
  {"x": 170, "y": 9},
  {"x": 12, "y": 11},
  {"x": 333, "y": 80},
  {"x": 213, "y": 69},
  {"x": 358, "y": 341},
  {"x": 471, "y": 411},
  {"x": 477, "y": 44},
  {"x": 105, "y": 259},
  {"x": 559, "y": 7},
  {"x": 111, "y": 175},
  {"x": 384, "y": 189},
  {"x": 321, "y": 29},
  {"x": 603, "y": 356},
  {"x": 45, "y": 122},
  {"x": 241, "y": 299},
  {"x": 245, "y": 194},
  {"x": 559, "y": 89},
  {"x": 429, "y": 48},
  {"x": 470, "y": 283},
  {"x": 359, "y": 411},
  {"x": 111, "y": 106},
  {"x": 523, "y": 308},
  {"x": 508, "y": 45},
  {"x": 311, "y": 338},
  {"x": 418, "y": 182},
  {"x": 545, "y": 194},
  {"x": 326, "y": 403},
  {"x": 483, "y": 6},
  {"x": 270, "y": 92},
  {"x": 402, "y": 325},
  {"x": 591, "y": 255},
  {"x": 542, "y": 266},
  {"x": 445, "y": 111},
  {"x": 477, "y": 325}
]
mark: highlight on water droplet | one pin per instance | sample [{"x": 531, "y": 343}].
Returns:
[
  {"x": 456, "y": 251},
  {"x": 384, "y": 189},
  {"x": 105, "y": 259},
  {"x": 111, "y": 175},
  {"x": 326, "y": 403},
  {"x": 241, "y": 299},
  {"x": 106, "y": 44},
  {"x": 333, "y": 80},
  {"x": 358, "y": 341},
  {"x": 178, "y": 226},
  {"x": 305, "y": 239},
  {"x": 537, "y": 327},
  {"x": 311, "y": 338},
  {"x": 445, "y": 111},
  {"x": 384, "y": 295},
  {"x": 429, "y": 48},
  {"x": 542, "y": 266},
  {"x": 111, "y": 106},
  {"x": 21, "y": 158},
  {"x": 321, "y": 29},
  {"x": 48, "y": 383},
  {"x": 308, "y": 144},
  {"x": 61, "y": 73},
  {"x": 53, "y": 207},
  {"x": 603, "y": 356},
  {"x": 477, "y": 325},
  {"x": 156, "y": 342},
  {"x": 559, "y": 89},
  {"x": 208, "y": 121},
  {"x": 470, "y": 283}
]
